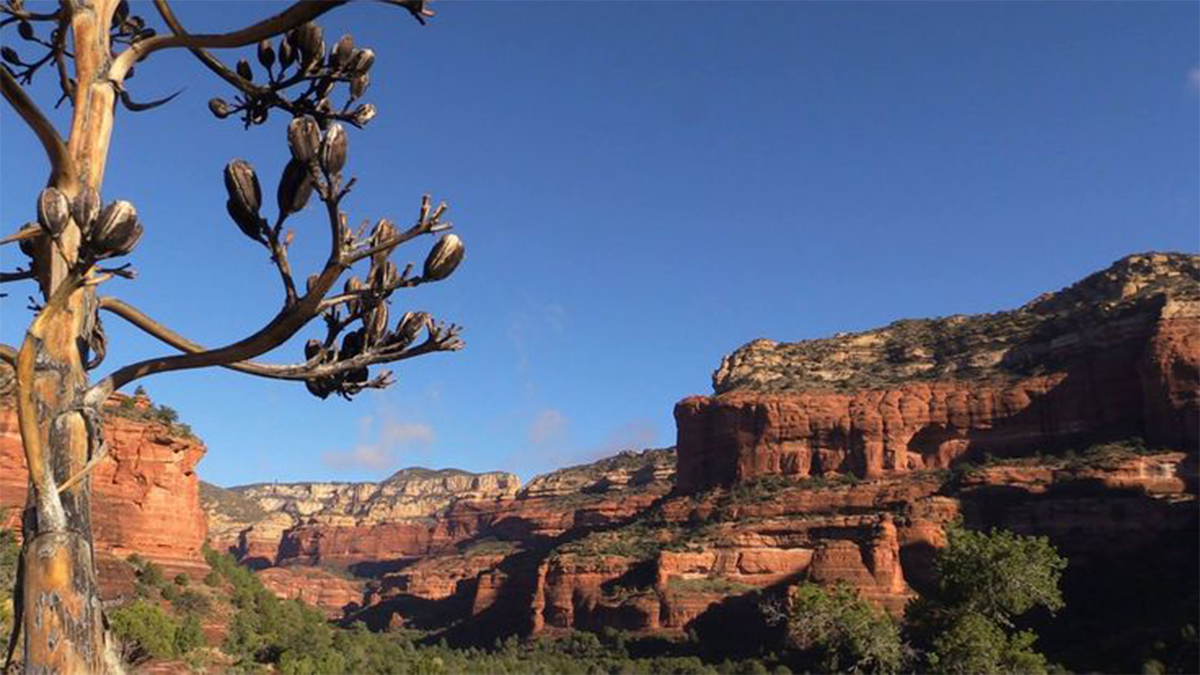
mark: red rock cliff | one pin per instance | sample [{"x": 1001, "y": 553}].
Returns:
[
  {"x": 145, "y": 496},
  {"x": 1115, "y": 356}
]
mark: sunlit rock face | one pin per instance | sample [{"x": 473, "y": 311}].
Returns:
[
  {"x": 145, "y": 495},
  {"x": 1111, "y": 357},
  {"x": 346, "y": 523}
]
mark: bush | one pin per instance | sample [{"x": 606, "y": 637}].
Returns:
[
  {"x": 182, "y": 580},
  {"x": 151, "y": 574},
  {"x": 975, "y": 644},
  {"x": 189, "y": 635},
  {"x": 837, "y": 631},
  {"x": 190, "y": 602},
  {"x": 985, "y": 581},
  {"x": 999, "y": 574},
  {"x": 212, "y": 579},
  {"x": 144, "y": 631}
]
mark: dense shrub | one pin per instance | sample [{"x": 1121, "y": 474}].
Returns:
[
  {"x": 985, "y": 581},
  {"x": 191, "y": 602},
  {"x": 834, "y": 631},
  {"x": 144, "y": 630}
]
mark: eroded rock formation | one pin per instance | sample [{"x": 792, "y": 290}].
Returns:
[
  {"x": 1113, "y": 356},
  {"x": 145, "y": 495},
  {"x": 347, "y": 523}
]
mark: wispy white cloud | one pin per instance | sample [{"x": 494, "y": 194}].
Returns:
[
  {"x": 380, "y": 445},
  {"x": 371, "y": 457},
  {"x": 530, "y": 325},
  {"x": 551, "y": 445},
  {"x": 549, "y": 427},
  {"x": 633, "y": 435},
  {"x": 1193, "y": 79}
]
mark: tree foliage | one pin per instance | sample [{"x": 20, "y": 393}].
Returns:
[
  {"x": 837, "y": 631},
  {"x": 999, "y": 574},
  {"x": 145, "y": 630},
  {"x": 986, "y": 580}
]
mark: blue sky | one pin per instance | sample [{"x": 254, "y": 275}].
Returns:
[{"x": 642, "y": 188}]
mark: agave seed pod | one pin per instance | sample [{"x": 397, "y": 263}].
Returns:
[
  {"x": 242, "y": 185},
  {"x": 383, "y": 230},
  {"x": 409, "y": 327},
  {"x": 116, "y": 231},
  {"x": 304, "y": 138},
  {"x": 358, "y": 86},
  {"x": 250, "y": 224},
  {"x": 312, "y": 349},
  {"x": 287, "y": 53},
  {"x": 363, "y": 60},
  {"x": 353, "y": 285},
  {"x": 374, "y": 281},
  {"x": 311, "y": 41},
  {"x": 342, "y": 52},
  {"x": 295, "y": 188},
  {"x": 444, "y": 258},
  {"x": 25, "y": 29},
  {"x": 324, "y": 87},
  {"x": 383, "y": 277},
  {"x": 312, "y": 282},
  {"x": 266, "y": 54},
  {"x": 333, "y": 150},
  {"x": 9, "y": 54},
  {"x": 86, "y": 208},
  {"x": 363, "y": 114},
  {"x": 244, "y": 71},
  {"x": 53, "y": 211},
  {"x": 26, "y": 245},
  {"x": 391, "y": 275},
  {"x": 321, "y": 387},
  {"x": 377, "y": 324},
  {"x": 219, "y": 108},
  {"x": 259, "y": 114},
  {"x": 352, "y": 345}
]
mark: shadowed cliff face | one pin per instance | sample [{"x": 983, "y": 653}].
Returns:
[{"x": 1111, "y": 357}]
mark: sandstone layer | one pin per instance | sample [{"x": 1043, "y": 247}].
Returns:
[
  {"x": 1111, "y": 357},
  {"x": 346, "y": 523},
  {"x": 145, "y": 495}
]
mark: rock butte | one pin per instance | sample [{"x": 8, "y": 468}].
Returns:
[{"x": 1113, "y": 356}]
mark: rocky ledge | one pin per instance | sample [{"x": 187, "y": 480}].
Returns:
[
  {"x": 344, "y": 523},
  {"x": 145, "y": 496},
  {"x": 1110, "y": 357}
]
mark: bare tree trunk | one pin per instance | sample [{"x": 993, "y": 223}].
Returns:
[{"x": 62, "y": 615}]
